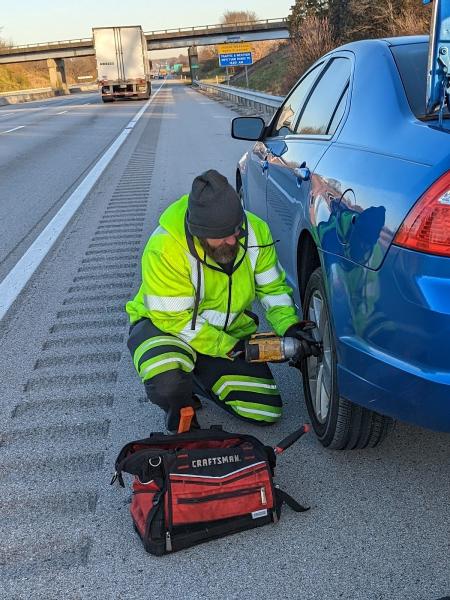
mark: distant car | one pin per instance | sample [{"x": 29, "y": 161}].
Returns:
[{"x": 354, "y": 181}]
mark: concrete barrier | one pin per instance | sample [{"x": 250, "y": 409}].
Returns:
[
  {"x": 19, "y": 96},
  {"x": 265, "y": 103}
]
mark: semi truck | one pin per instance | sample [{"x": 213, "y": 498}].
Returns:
[{"x": 123, "y": 67}]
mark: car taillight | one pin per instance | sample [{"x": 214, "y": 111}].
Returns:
[{"x": 427, "y": 226}]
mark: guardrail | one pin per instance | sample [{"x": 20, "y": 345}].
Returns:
[{"x": 262, "y": 102}]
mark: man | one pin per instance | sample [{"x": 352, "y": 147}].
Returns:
[{"x": 202, "y": 268}]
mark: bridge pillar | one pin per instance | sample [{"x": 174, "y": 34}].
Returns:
[
  {"x": 57, "y": 73},
  {"x": 193, "y": 63}
]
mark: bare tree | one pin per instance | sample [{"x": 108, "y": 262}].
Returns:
[
  {"x": 315, "y": 40},
  {"x": 238, "y": 16}
]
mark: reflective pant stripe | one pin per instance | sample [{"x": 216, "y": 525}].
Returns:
[
  {"x": 229, "y": 383},
  {"x": 259, "y": 412},
  {"x": 249, "y": 386},
  {"x": 159, "y": 364},
  {"x": 160, "y": 341}
]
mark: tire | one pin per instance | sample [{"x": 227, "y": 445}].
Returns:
[
  {"x": 338, "y": 423},
  {"x": 107, "y": 99}
]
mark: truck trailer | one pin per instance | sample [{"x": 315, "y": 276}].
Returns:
[{"x": 123, "y": 67}]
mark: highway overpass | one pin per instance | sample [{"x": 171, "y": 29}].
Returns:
[{"x": 191, "y": 37}]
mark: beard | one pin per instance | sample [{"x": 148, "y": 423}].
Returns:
[{"x": 222, "y": 254}]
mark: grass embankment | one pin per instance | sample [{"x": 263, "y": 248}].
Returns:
[
  {"x": 266, "y": 75},
  {"x": 18, "y": 77}
]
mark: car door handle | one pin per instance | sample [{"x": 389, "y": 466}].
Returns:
[{"x": 302, "y": 173}]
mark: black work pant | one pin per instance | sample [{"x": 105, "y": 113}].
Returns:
[{"x": 172, "y": 371}]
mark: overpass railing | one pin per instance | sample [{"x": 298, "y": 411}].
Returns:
[
  {"x": 265, "y": 103},
  {"x": 219, "y": 26},
  {"x": 7, "y": 49},
  {"x": 203, "y": 28}
]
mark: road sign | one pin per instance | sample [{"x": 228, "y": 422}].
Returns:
[
  {"x": 235, "y": 59},
  {"x": 231, "y": 48},
  {"x": 235, "y": 55}
]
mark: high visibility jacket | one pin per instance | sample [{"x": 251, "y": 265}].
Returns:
[{"x": 187, "y": 294}]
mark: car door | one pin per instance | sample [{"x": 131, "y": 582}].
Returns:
[
  {"x": 283, "y": 123},
  {"x": 289, "y": 172}
]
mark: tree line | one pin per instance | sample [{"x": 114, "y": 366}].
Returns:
[{"x": 318, "y": 26}]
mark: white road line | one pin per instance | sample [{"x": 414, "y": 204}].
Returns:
[
  {"x": 13, "y": 129},
  {"x": 20, "y": 274},
  {"x": 63, "y": 112}
]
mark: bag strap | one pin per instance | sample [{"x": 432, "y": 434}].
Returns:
[
  {"x": 283, "y": 497},
  {"x": 291, "y": 438}
]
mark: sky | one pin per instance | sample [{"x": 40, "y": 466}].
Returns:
[{"x": 29, "y": 21}]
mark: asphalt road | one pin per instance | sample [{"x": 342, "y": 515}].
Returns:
[{"x": 378, "y": 527}]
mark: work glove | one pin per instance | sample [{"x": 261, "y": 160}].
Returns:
[
  {"x": 309, "y": 346},
  {"x": 237, "y": 350}
]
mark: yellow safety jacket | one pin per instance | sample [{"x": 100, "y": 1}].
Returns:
[{"x": 187, "y": 294}]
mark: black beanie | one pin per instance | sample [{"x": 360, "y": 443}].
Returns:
[{"x": 214, "y": 208}]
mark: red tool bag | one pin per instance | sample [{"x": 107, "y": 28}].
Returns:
[{"x": 192, "y": 487}]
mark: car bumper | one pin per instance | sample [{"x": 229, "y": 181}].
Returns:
[{"x": 393, "y": 336}]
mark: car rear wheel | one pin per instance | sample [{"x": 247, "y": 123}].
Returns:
[{"x": 338, "y": 423}]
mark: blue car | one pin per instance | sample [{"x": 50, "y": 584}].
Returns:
[{"x": 353, "y": 176}]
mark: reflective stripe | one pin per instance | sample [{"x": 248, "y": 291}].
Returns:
[
  {"x": 160, "y": 231},
  {"x": 169, "y": 303},
  {"x": 255, "y": 411},
  {"x": 268, "y": 276},
  {"x": 193, "y": 264},
  {"x": 253, "y": 253},
  {"x": 270, "y": 301},
  {"x": 166, "y": 361},
  {"x": 242, "y": 384},
  {"x": 160, "y": 341},
  {"x": 187, "y": 334},
  {"x": 217, "y": 318}
]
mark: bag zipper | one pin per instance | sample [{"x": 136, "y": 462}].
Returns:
[
  {"x": 224, "y": 495},
  {"x": 213, "y": 483},
  {"x": 168, "y": 542}
]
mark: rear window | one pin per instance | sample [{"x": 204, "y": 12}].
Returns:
[{"x": 412, "y": 63}]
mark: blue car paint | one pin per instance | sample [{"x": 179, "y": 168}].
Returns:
[{"x": 388, "y": 304}]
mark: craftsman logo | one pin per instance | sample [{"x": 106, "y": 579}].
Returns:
[{"x": 216, "y": 460}]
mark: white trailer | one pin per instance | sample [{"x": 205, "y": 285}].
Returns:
[{"x": 123, "y": 67}]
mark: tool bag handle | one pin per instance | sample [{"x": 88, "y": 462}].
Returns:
[{"x": 291, "y": 438}]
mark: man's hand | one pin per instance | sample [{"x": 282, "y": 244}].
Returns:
[
  {"x": 309, "y": 346},
  {"x": 237, "y": 350}
]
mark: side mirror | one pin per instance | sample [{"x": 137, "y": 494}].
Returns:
[{"x": 247, "y": 128}]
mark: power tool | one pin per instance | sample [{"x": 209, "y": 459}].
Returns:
[{"x": 270, "y": 347}]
